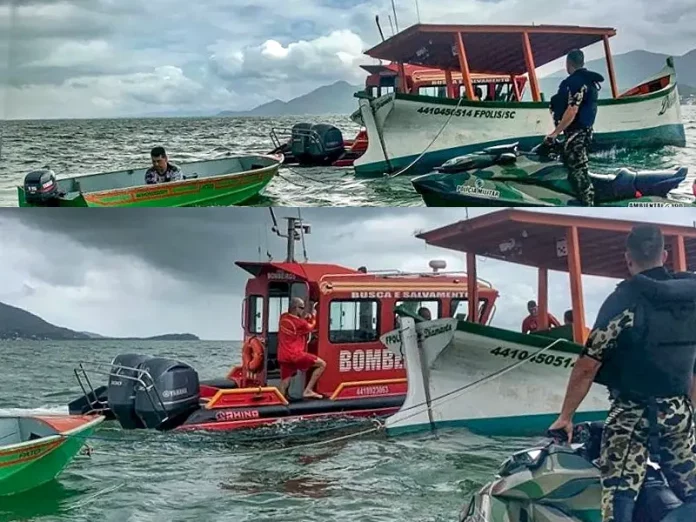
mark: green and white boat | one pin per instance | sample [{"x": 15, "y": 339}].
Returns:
[
  {"x": 36, "y": 449},
  {"x": 410, "y": 131},
  {"x": 227, "y": 181},
  {"x": 466, "y": 373}
]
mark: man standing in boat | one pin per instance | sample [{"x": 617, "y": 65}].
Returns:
[
  {"x": 643, "y": 349},
  {"x": 294, "y": 328},
  {"x": 162, "y": 171},
  {"x": 574, "y": 109},
  {"x": 531, "y": 322}
]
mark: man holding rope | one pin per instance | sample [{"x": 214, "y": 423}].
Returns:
[{"x": 643, "y": 348}]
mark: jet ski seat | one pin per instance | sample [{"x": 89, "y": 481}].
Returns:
[
  {"x": 656, "y": 502},
  {"x": 626, "y": 183}
]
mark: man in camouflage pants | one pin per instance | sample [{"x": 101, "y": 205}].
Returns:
[
  {"x": 574, "y": 110},
  {"x": 643, "y": 348}
]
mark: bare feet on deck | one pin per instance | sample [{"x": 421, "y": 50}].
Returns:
[{"x": 311, "y": 395}]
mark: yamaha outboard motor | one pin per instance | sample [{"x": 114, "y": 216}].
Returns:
[
  {"x": 121, "y": 389},
  {"x": 41, "y": 188},
  {"x": 174, "y": 396},
  {"x": 316, "y": 144}
]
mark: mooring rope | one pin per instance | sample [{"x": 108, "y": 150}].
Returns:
[
  {"x": 451, "y": 395},
  {"x": 429, "y": 144}
]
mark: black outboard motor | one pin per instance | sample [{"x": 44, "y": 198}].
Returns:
[
  {"x": 121, "y": 389},
  {"x": 316, "y": 144},
  {"x": 41, "y": 188},
  {"x": 178, "y": 387}
]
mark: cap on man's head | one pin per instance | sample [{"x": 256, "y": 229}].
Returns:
[
  {"x": 531, "y": 304},
  {"x": 645, "y": 243}
]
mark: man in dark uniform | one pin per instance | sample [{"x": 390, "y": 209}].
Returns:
[
  {"x": 643, "y": 348},
  {"x": 574, "y": 110}
]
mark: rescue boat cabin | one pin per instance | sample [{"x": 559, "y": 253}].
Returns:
[
  {"x": 354, "y": 308},
  {"x": 573, "y": 244},
  {"x": 510, "y": 51}
]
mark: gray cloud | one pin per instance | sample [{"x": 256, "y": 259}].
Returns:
[
  {"x": 148, "y": 271},
  {"x": 74, "y": 57}
]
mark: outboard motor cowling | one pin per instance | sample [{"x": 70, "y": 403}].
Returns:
[
  {"x": 121, "y": 389},
  {"x": 300, "y": 137},
  {"x": 40, "y": 187},
  {"x": 317, "y": 144},
  {"x": 178, "y": 387}
]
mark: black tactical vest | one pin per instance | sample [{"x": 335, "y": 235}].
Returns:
[{"x": 655, "y": 357}]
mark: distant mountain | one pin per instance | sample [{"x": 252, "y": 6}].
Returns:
[
  {"x": 631, "y": 68},
  {"x": 16, "y": 323},
  {"x": 336, "y": 98}
]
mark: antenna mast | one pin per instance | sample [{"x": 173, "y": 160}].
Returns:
[
  {"x": 295, "y": 232},
  {"x": 418, "y": 12},
  {"x": 379, "y": 27},
  {"x": 396, "y": 21}
]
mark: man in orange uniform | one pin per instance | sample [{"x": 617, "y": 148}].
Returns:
[
  {"x": 293, "y": 330},
  {"x": 531, "y": 322}
]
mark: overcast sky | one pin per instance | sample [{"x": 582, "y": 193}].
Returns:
[
  {"x": 142, "y": 272},
  {"x": 94, "y": 58}
]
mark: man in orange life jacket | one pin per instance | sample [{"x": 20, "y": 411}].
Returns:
[{"x": 294, "y": 327}]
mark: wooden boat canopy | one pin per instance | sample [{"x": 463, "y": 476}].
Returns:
[
  {"x": 567, "y": 243},
  {"x": 491, "y": 49}
]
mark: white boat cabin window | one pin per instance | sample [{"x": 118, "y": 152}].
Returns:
[
  {"x": 276, "y": 306},
  {"x": 460, "y": 308},
  {"x": 279, "y": 300},
  {"x": 413, "y": 305},
  {"x": 436, "y": 91},
  {"x": 256, "y": 314},
  {"x": 353, "y": 321}
]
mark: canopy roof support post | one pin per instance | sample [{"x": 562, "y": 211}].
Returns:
[
  {"x": 472, "y": 290},
  {"x": 464, "y": 66},
  {"x": 516, "y": 87},
  {"x": 543, "y": 299},
  {"x": 575, "y": 273},
  {"x": 531, "y": 68},
  {"x": 610, "y": 68},
  {"x": 450, "y": 85},
  {"x": 678, "y": 254},
  {"x": 402, "y": 78}
]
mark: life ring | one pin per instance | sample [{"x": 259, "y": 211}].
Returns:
[{"x": 253, "y": 353}]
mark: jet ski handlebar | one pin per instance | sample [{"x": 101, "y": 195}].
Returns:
[{"x": 582, "y": 433}]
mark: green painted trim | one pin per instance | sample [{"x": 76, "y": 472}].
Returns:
[
  {"x": 531, "y": 340},
  {"x": 514, "y": 426},
  {"x": 670, "y": 134},
  {"x": 419, "y": 98}
]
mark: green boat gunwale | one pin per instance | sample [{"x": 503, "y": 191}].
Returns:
[
  {"x": 277, "y": 160},
  {"x": 44, "y": 440}
]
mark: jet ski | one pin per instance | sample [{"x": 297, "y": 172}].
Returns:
[
  {"x": 504, "y": 176},
  {"x": 557, "y": 482}
]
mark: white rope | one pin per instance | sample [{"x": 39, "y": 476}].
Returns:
[{"x": 429, "y": 144}]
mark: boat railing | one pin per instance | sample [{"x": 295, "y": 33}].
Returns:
[
  {"x": 277, "y": 143},
  {"x": 395, "y": 273},
  {"x": 142, "y": 378}
]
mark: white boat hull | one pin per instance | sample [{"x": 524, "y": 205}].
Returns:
[
  {"x": 413, "y": 134},
  {"x": 459, "y": 379}
]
